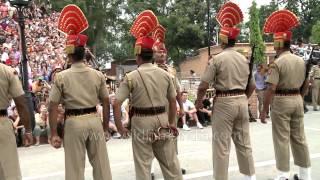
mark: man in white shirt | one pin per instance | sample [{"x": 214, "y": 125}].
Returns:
[{"x": 189, "y": 110}]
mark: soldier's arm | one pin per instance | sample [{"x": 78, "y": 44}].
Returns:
[
  {"x": 171, "y": 96},
  {"x": 251, "y": 88},
  {"x": 272, "y": 82},
  {"x": 54, "y": 101},
  {"x": 121, "y": 95},
  {"x": 202, "y": 89},
  {"x": 178, "y": 97},
  {"x": 104, "y": 98},
  {"x": 53, "y": 116},
  {"x": 21, "y": 104},
  {"x": 105, "y": 113},
  {"x": 16, "y": 91},
  {"x": 207, "y": 78}
]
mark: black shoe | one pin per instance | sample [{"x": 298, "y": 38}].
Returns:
[
  {"x": 296, "y": 177},
  {"x": 183, "y": 171},
  {"x": 252, "y": 120},
  {"x": 315, "y": 109},
  {"x": 152, "y": 176}
]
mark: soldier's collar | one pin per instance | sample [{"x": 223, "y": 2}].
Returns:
[
  {"x": 78, "y": 65},
  {"x": 146, "y": 65},
  {"x": 284, "y": 53}
]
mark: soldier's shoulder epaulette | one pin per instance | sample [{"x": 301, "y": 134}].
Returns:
[{"x": 172, "y": 70}]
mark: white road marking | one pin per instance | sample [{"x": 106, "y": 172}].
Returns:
[
  {"x": 188, "y": 176},
  {"x": 313, "y": 129},
  {"x": 236, "y": 168}
]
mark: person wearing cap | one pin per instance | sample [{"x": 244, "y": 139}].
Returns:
[
  {"x": 285, "y": 94},
  {"x": 10, "y": 88},
  {"x": 315, "y": 84},
  {"x": 151, "y": 89},
  {"x": 160, "y": 55},
  {"x": 229, "y": 74},
  {"x": 80, "y": 88}
]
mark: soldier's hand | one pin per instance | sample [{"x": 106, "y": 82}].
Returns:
[
  {"x": 124, "y": 132},
  {"x": 263, "y": 116},
  {"x": 199, "y": 104},
  {"x": 107, "y": 135},
  {"x": 28, "y": 139},
  {"x": 56, "y": 141}
]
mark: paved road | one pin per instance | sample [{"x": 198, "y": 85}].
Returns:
[{"x": 44, "y": 162}]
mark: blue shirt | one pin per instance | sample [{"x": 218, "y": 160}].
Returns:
[{"x": 260, "y": 81}]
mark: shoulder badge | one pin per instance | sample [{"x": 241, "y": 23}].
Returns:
[{"x": 271, "y": 67}]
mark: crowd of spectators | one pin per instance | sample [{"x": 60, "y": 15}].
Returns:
[{"x": 45, "y": 46}]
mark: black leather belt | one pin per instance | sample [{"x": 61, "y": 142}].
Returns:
[
  {"x": 78, "y": 112},
  {"x": 148, "y": 111},
  {"x": 317, "y": 78},
  {"x": 3, "y": 112},
  {"x": 287, "y": 92},
  {"x": 233, "y": 92}
]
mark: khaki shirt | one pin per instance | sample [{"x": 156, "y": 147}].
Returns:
[
  {"x": 158, "y": 82},
  {"x": 315, "y": 71},
  {"x": 287, "y": 72},
  {"x": 173, "y": 74},
  {"x": 227, "y": 71},
  {"x": 79, "y": 87},
  {"x": 10, "y": 86}
]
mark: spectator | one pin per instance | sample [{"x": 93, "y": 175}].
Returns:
[
  {"x": 190, "y": 112},
  {"x": 17, "y": 126},
  {"x": 260, "y": 78},
  {"x": 205, "y": 113},
  {"x": 112, "y": 125},
  {"x": 42, "y": 124}
]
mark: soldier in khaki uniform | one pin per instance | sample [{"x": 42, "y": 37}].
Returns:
[
  {"x": 229, "y": 73},
  {"x": 160, "y": 59},
  {"x": 286, "y": 77},
  {"x": 10, "y": 87},
  {"x": 80, "y": 88},
  {"x": 315, "y": 83},
  {"x": 151, "y": 90}
]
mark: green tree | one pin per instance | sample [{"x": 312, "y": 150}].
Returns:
[
  {"x": 255, "y": 34},
  {"x": 315, "y": 37},
  {"x": 308, "y": 13}
]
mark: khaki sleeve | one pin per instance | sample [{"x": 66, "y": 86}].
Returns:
[
  {"x": 312, "y": 72},
  {"x": 124, "y": 90},
  {"x": 103, "y": 92},
  {"x": 177, "y": 84},
  {"x": 171, "y": 93},
  {"x": 274, "y": 73},
  {"x": 209, "y": 73},
  {"x": 15, "y": 87},
  {"x": 56, "y": 90}
]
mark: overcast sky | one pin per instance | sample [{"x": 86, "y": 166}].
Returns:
[{"x": 245, "y": 5}]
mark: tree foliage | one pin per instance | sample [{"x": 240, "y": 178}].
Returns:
[
  {"x": 308, "y": 12},
  {"x": 255, "y": 34},
  {"x": 315, "y": 37}
]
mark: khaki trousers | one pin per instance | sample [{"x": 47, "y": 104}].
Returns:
[
  {"x": 144, "y": 151},
  {"x": 85, "y": 133},
  {"x": 315, "y": 93},
  {"x": 231, "y": 120},
  {"x": 9, "y": 163},
  {"x": 288, "y": 129},
  {"x": 260, "y": 95}
]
